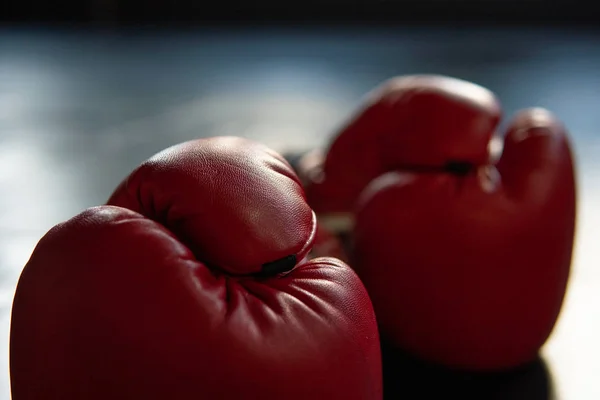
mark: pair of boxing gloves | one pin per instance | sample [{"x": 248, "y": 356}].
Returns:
[{"x": 208, "y": 274}]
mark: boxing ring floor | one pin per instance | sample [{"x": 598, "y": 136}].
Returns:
[{"x": 79, "y": 110}]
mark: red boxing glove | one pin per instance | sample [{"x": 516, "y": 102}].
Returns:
[
  {"x": 466, "y": 255},
  {"x": 193, "y": 283}
]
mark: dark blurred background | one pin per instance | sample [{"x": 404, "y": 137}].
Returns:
[
  {"x": 389, "y": 11},
  {"x": 90, "y": 89}
]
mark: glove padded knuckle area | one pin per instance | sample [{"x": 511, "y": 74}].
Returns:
[{"x": 235, "y": 203}]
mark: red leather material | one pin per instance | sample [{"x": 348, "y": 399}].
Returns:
[
  {"x": 153, "y": 296},
  {"x": 467, "y": 269},
  {"x": 419, "y": 121},
  {"x": 206, "y": 192}
]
